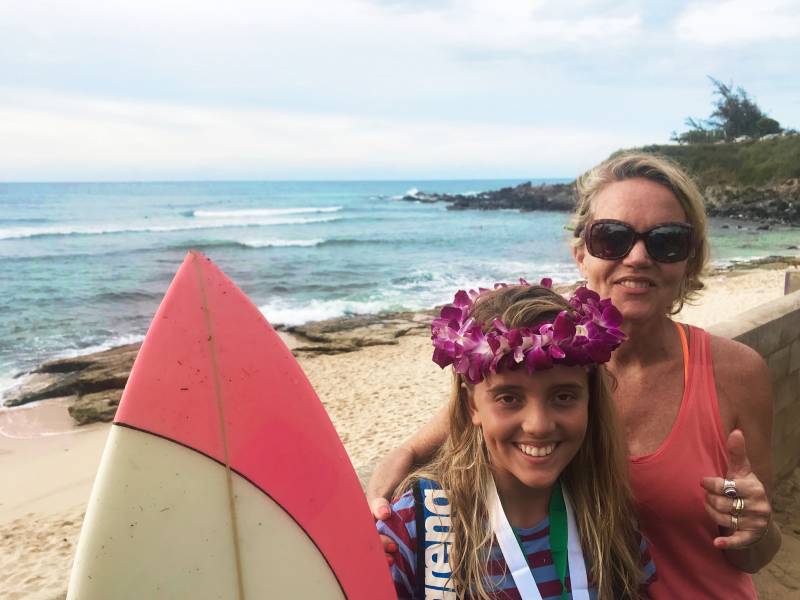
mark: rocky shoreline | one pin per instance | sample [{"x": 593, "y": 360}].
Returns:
[
  {"x": 770, "y": 205},
  {"x": 524, "y": 197},
  {"x": 92, "y": 384}
]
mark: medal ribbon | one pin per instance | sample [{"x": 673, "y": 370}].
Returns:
[
  {"x": 558, "y": 536},
  {"x": 565, "y": 544}
]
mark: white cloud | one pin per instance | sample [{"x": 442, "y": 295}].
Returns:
[
  {"x": 260, "y": 87},
  {"x": 86, "y": 30},
  {"x": 338, "y": 56},
  {"x": 49, "y": 137},
  {"x": 734, "y": 22}
]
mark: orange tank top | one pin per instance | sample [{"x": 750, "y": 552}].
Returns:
[{"x": 670, "y": 501}]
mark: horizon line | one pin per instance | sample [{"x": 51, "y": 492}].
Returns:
[{"x": 376, "y": 180}]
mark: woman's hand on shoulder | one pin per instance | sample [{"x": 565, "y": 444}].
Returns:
[
  {"x": 391, "y": 470},
  {"x": 396, "y": 466},
  {"x": 387, "y": 475}
]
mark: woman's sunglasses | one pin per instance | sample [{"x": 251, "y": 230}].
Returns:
[{"x": 612, "y": 240}]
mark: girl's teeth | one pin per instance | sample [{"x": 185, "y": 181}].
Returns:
[
  {"x": 634, "y": 284},
  {"x": 537, "y": 450}
]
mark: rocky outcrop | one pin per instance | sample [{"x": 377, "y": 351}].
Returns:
[
  {"x": 776, "y": 263},
  {"x": 76, "y": 377},
  {"x": 773, "y": 204},
  {"x": 335, "y": 336},
  {"x": 778, "y": 204},
  {"x": 94, "y": 382},
  {"x": 524, "y": 197},
  {"x": 97, "y": 406}
]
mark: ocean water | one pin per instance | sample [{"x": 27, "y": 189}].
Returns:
[{"x": 83, "y": 266}]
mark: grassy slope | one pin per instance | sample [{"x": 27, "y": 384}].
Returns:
[{"x": 757, "y": 163}]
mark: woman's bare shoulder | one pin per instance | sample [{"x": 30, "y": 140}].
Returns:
[
  {"x": 742, "y": 376},
  {"x": 736, "y": 357}
]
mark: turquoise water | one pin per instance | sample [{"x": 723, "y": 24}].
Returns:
[{"x": 84, "y": 266}]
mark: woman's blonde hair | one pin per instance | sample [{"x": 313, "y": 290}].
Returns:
[
  {"x": 595, "y": 479},
  {"x": 661, "y": 170}
]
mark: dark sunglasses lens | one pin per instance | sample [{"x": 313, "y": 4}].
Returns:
[
  {"x": 609, "y": 240},
  {"x": 669, "y": 243}
]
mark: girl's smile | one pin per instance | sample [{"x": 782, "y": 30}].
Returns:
[
  {"x": 536, "y": 451},
  {"x": 533, "y": 425}
]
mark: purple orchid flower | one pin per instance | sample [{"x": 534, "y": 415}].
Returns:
[{"x": 585, "y": 334}]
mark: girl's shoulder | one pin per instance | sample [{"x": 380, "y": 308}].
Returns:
[
  {"x": 404, "y": 501},
  {"x": 401, "y": 522}
]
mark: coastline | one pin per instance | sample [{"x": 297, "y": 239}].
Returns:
[
  {"x": 90, "y": 385},
  {"x": 377, "y": 382},
  {"x": 770, "y": 204}
]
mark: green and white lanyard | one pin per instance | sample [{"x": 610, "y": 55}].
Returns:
[{"x": 565, "y": 546}]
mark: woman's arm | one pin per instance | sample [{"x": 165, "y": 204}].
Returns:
[
  {"x": 397, "y": 464},
  {"x": 744, "y": 386}
]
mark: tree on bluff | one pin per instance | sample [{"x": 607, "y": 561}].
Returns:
[{"x": 735, "y": 114}]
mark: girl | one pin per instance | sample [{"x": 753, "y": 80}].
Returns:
[{"x": 528, "y": 497}]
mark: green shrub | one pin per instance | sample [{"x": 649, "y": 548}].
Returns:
[
  {"x": 767, "y": 126},
  {"x": 753, "y": 162}
]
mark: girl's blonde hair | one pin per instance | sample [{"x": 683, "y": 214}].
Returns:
[
  {"x": 661, "y": 170},
  {"x": 595, "y": 479}
]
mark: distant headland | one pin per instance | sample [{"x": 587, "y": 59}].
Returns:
[{"x": 753, "y": 180}]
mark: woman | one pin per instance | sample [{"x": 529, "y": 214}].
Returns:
[{"x": 696, "y": 409}]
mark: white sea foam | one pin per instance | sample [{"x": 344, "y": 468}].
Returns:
[
  {"x": 411, "y": 192},
  {"x": 510, "y": 271},
  {"x": 120, "y": 340},
  {"x": 262, "y": 212},
  {"x": 31, "y": 232},
  {"x": 281, "y": 243},
  {"x": 418, "y": 290},
  {"x": 281, "y": 312}
]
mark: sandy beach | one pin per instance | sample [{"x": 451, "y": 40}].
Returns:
[{"x": 376, "y": 397}]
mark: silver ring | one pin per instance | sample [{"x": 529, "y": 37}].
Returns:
[
  {"x": 738, "y": 506},
  {"x": 729, "y": 488},
  {"x": 734, "y": 523}
]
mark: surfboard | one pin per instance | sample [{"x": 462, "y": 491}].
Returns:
[{"x": 223, "y": 476}]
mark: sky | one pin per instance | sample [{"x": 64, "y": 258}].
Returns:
[{"x": 370, "y": 89}]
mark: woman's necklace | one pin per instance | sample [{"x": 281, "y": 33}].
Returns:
[{"x": 564, "y": 544}]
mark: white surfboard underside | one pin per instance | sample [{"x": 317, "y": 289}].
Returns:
[{"x": 158, "y": 525}]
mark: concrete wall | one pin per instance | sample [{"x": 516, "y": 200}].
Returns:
[{"x": 773, "y": 330}]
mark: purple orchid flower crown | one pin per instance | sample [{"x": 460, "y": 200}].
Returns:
[{"x": 586, "y": 334}]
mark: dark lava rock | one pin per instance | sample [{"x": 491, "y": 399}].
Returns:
[
  {"x": 776, "y": 204},
  {"x": 97, "y": 406},
  {"x": 80, "y": 376},
  {"x": 524, "y": 197}
]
